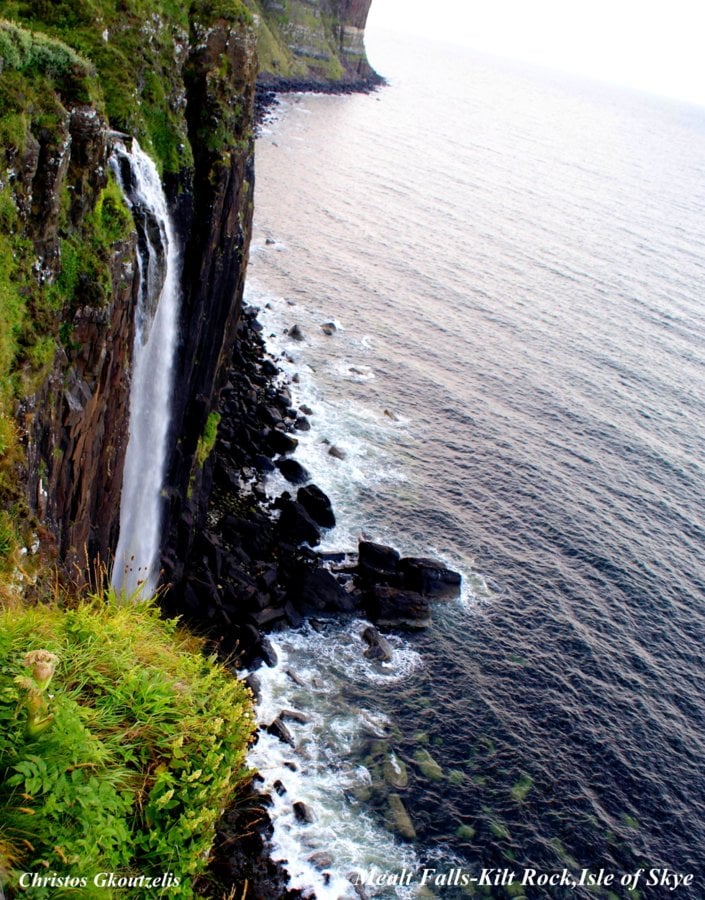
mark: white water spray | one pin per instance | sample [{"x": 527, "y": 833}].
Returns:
[{"x": 137, "y": 553}]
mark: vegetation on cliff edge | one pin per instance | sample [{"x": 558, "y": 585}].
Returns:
[{"x": 136, "y": 733}]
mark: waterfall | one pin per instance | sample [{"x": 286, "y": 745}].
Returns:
[{"x": 139, "y": 543}]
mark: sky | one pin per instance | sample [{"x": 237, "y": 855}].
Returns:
[{"x": 654, "y": 45}]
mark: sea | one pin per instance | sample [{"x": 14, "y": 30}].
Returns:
[{"x": 512, "y": 261}]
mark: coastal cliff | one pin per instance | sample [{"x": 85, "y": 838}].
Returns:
[
  {"x": 76, "y": 81},
  {"x": 181, "y": 78},
  {"x": 316, "y": 41}
]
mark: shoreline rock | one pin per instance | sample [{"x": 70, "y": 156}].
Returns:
[{"x": 252, "y": 567}]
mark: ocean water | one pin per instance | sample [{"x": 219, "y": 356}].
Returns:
[{"x": 514, "y": 262}]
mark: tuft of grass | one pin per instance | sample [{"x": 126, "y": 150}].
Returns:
[
  {"x": 145, "y": 748},
  {"x": 206, "y": 441}
]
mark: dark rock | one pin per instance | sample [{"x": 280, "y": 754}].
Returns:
[
  {"x": 294, "y": 617},
  {"x": 270, "y": 415},
  {"x": 336, "y": 452},
  {"x": 279, "y": 787},
  {"x": 377, "y": 564},
  {"x": 268, "y": 578},
  {"x": 377, "y": 557},
  {"x": 304, "y": 813},
  {"x": 296, "y": 333},
  {"x": 280, "y": 731},
  {"x": 306, "y": 410},
  {"x": 252, "y": 682},
  {"x": 429, "y": 577},
  {"x": 268, "y": 615},
  {"x": 263, "y": 463},
  {"x": 268, "y": 652},
  {"x": 321, "y": 592},
  {"x": 395, "y": 608},
  {"x": 296, "y": 524},
  {"x": 281, "y": 442},
  {"x": 293, "y": 471},
  {"x": 268, "y": 368},
  {"x": 328, "y": 328},
  {"x": 302, "y": 424},
  {"x": 317, "y": 505},
  {"x": 378, "y": 647}
]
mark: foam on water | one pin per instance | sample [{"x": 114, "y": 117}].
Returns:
[{"x": 324, "y": 769}]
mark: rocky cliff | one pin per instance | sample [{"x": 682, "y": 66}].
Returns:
[
  {"x": 184, "y": 85},
  {"x": 180, "y": 76},
  {"x": 313, "y": 41}
]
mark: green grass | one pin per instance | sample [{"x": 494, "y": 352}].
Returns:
[
  {"x": 144, "y": 748},
  {"x": 206, "y": 441}
]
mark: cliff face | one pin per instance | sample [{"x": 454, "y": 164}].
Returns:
[
  {"x": 313, "y": 40},
  {"x": 73, "y": 276},
  {"x": 179, "y": 75}
]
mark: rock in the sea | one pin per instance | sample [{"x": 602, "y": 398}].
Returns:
[
  {"x": 377, "y": 563},
  {"x": 296, "y": 333},
  {"x": 281, "y": 442},
  {"x": 428, "y": 765},
  {"x": 394, "y": 608},
  {"x": 328, "y": 328},
  {"x": 321, "y": 860},
  {"x": 296, "y": 525},
  {"x": 429, "y": 577},
  {"x": 303, "y": 812},
  {"x": 293, "y": 471},
  {"x": 317, "y": 505},
  {"x": 378, "y": 647},
  {"x": 398, "y": 819},
  {"x": 336, "y": 452},
  {"x": 321, "y": 592},
  {"x": 279, "y": 730},
  {"x": 395, "y": 772}
]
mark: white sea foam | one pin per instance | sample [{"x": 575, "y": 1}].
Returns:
[{"x": 323, "y": 770}]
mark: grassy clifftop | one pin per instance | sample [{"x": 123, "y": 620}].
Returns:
[
  {"x": 138, "y": 50},
  {"x": 120, "y": 745}
]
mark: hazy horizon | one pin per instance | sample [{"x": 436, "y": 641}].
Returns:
[{"x": 651, "y": 46}]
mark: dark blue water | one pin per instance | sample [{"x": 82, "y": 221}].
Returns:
[{"x": 516, "y": 262}]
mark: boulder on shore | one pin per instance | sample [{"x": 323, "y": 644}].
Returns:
[{"x": 317, "y": 505}]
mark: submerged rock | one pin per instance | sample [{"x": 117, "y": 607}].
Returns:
[
  {"x": 395, "y": 772},
  {"x": 398, "y": 819},
  {"x": 428, "y": 765}
]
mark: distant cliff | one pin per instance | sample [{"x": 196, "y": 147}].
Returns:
[{"x": 316, "y": 40}]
